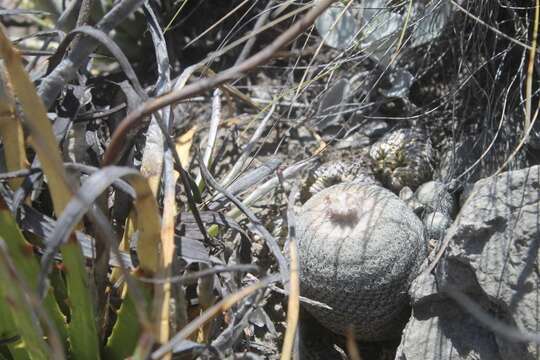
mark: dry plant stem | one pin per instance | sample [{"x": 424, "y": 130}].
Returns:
[
  {"x": 239, "y": 164},
  {"x": 167, "y": 239},
  {"x": 307, "y": 71},
  {"x": 260, "y": 22},
  {"x": 212, "y": 132},
  {"x": 211, "y": 313},
  {"x": 265, "y": 234},
  {"x": 303, "y": 299},
  {"x": 530, "y": 68},
  {"x": 184, "y": 177},
  {"x": 265, "y": 188},
  {"x": 216, "y": 23},
  {"x": 84, "y": 16},
  {"x": 495, "y": 30},
  {"x": 352, "y": 348},
  {"x": 98, "y": 217},
  {"x": 11, "y": 130},
  {"x": 182, "y": 279},
  {"x": 86, "y": 169},
  {"x": 18, "y": 173},
  {"x": 234, "y": 72},
  {"x": 53, "y": 83},
  {"x": 282, "y": 7},
  {"x": 293, "y": 307}
]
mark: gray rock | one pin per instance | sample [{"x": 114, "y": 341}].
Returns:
[
  {"x": 465, "y": 159},
  {"x": 435, "y": 197},
  {"x": 359, "y": 248},
  {"x": 492, "y": 257},
  {"x": 493, "y": 252},
  {"x": 353, "y": 141},
  {"x": 374, "y": 128},
  {"x": 407, "y": 195},
  {"x": 436, "y": 224},
  {"x": 467, "y": 189},
  {"x": 457, "y": 158},
  {"x": 440, "y": 330},
  {"x": 331, "y": 105}
]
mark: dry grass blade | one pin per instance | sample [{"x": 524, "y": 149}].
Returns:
[
  {"x": 211, "y": 313},
  {"x": 82, "y": 327},
  {"x": 530, "y": 67},
  {"x": 183, "y": 279},
  {"x": 53, "y": 83},
  {"x": 248, "y": 148},
  {"x": 352, "y": 347},
  {"x": 293, "y": 308},
  {"x": 261, "y": 230},
  {"x": 491, "y": 28},
  {"x": 110, "y": 45},
  {"x": 174, "y": 96},
  {"x": 11, "y": 130},
  {"x": 42, "y": 137},
  {"x": 169, "y": 25},
  {"x": 164, "y": 159},
  {"x": 216, "y": 23},
  {"x": 212, "y": 133},
  {"x": 272, "y": 183}
]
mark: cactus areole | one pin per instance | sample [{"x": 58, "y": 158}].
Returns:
[{"x": 360, "y": 247}]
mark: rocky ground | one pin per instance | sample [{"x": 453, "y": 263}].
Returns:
[{"x": 438, "y": 121}]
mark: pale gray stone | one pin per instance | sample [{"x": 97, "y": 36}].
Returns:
[
  {"x": 440, "y": 330},
  {"x": 436, "y": 224},
  {"x": 435, "y": 197},
  {"x": 494, "y": 247}
]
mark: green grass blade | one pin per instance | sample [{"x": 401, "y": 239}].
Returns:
[
  {"x": 21, "y": 253},
  {"x": 8, "y": 330},
  {"x": 82, "y": 327},
  {"x": 14, "y": 303},
  {"x": 127, "y": 329}
]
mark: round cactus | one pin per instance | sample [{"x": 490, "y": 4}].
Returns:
[
  {"x": 403, "y": 157},
  {"x": 359, "y": 249}
]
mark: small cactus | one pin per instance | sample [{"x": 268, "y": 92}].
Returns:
[
  {"x": 359, "y": 247},
  {"x": 403, "y": 157}
]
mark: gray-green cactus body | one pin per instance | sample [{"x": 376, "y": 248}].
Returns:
[
  {"x": 359, "y": 249},
  {"x": 338, "y": 171},
  {"x": 403, "y": 157}
]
